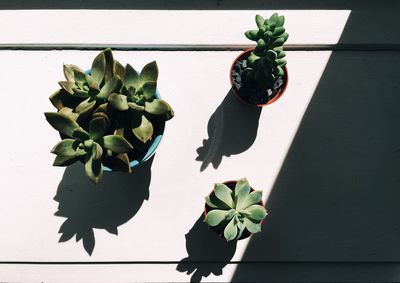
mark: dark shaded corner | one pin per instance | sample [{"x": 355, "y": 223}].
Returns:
[
  {"x": 115, "y": 201},
  {"x": 207, "y": 252},
  {"x": 232, "y": 129}
]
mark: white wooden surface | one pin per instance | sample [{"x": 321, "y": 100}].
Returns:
[{"x": 130, "y": 28}]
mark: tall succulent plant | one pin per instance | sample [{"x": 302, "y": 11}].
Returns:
[
  {"x": 235, "y": 211},
  {"x": 266, "y": 61},
  {"x": 102, "y": 113}
]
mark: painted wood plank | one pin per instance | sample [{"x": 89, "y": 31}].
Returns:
[{"x": 127, "y": 28}]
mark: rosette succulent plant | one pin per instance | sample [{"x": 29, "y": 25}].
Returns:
[
  {"x": 106, "y": 116},
  {"x": 233, "y": 211},
  {"x": 265, "y": 64}
]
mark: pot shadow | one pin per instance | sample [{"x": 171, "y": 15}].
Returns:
[
  {"x": 230, "y": 118},
  {"x": 207, "y": 252},
  {"x": 112, "y": 203}
]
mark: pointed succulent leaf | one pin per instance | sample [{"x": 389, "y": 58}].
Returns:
[
  {"x": 242, "y": 190},
  {"x": 118, "y": 101},
  {"x": 231, "y": 230},
  {"x": 223, "y": 193},
  {"x": 97, "y": 151},
  {"x": 255, "y": 212},
  {"x": 135, "y": 107},
  {"x": 117, "y": 144},
  {"x": 88, "y": 103},
  {"x": 215, "y": 217},
  {"x": 120, "y": 162},
  {"x": 93, "y": 85},
  {"x": 251, "y": 226},
  {"x": 80, "y": 134},
  {"x": 241, "y": 228},
  {"x": 149, "y": 73},
  {"x": 231, "y": 213},
  {"x": 285, "y": 36},
  {"x": 280, "y": 21},
  {"x": 69, "y": 113},
  {"x": 69, "y": 71},
  {"x": 98, "y": 127},
  {"x": 278, "y": 31},
  {"x": 159, "y": 107},
  {"x": 259, "y": 21},
  {"x": 149, "y": 90},
  {"x": 80, "y": 77},
  {"x": 131, "y": 77},
  {"x": 252, "y": 35},
  {"x": 119, "y": 69},
  {"x": 64, "y": 160},
  {"x": 93, "y": 169},
  {"x": 273, "y": 19},
  {"x": 99, "y": 68},
  {"x": 144, "y": 131},
  {"x": 210, "y": 203},
  {"x": 61, "y": 123},
  {"x": 67, "y": 86},
  {"x": 66, "y": 147},
  {"x": 112, "y": 85},
  {"x": 251, "y": 199},
  {"x": 109, "y": 68},
  {"x": 57, "y": 99}
]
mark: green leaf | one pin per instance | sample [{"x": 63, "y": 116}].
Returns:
[
  {"x": 69, "y": 71},
  {"x": 278, "y": 31},
  {"x": 255, "y": 212},
  {"x": 149, "y": 90},
  {"x": 119, "y": 69},
  {"x": 61, "y": 123},
  {"x": 97, "y": 151},
  {"x": 63, "y": 160},
  {"x": 251, "y": 226},
  {"x": 281, "y": 62},
  {"x": 93, "y": 169},
  {"x": 281, "y": 54},
  {"x": 67, "y": 86},
  {"x": 120, "y": 162},
  {"x": 252, "y": 35},
  {"x": 231, "y": 213},
  {"x": 215, "y": 217},
  {"x": 68, "y": 112},
  {"x": 149, "y": 73},
  {"x": 109, "y": 69},
  {"x": 261, "y": 44},
  {"x": 252, "y": 198},
  {"x": 277, "y": 42},
  {"x": 99, "y": 68},
  {"x": 210, "y": 203},
  {"x": 144, "y": 131},
  {"x": 280, "y": 21},
  {"x": 285, "y": 36},
  {"x": 131, "y": 77},
  {"x": 280, "y": 72},
  {"x": 98, "y": 127},
  {"x": 135, "y": 107},
  {"x": 223, "y": 193},
  {"x": 118, "y": 101},
  {"x": 80, "y": 134},
  {"x": 159, "y": 107},
  {"x": 240, "y": 226},
  {"x": 242, "y": 190},
  {"x": 259, "y": 21},
  {"x": 84, "y": 105},
  {"x": 230, "y": 231},
  {"x": 112, "y": 85},
  {"x": 117, "y": 144},
  {"x": 66, "y": 147},
  {"x": 273, "y": 19},
  {"x": 57, "y": 99}
]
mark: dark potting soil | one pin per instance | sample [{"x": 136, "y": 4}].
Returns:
[{"x": 253, "y": 96}]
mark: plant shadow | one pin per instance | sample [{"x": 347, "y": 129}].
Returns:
[
  {"x": 112, "y": 203},
  {"x": 207, "y": 252},
  {"x": 232, "y": 129}
]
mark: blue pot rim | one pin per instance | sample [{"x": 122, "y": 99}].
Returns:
[{"x": 152, "y": 149}]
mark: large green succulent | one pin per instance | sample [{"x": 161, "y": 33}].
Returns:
[
  {"x": 103, "y": 113},
  {"x": 266, "y": 61},
  {"x": 235, "y": 211}
]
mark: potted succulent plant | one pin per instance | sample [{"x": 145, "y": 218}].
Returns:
[
  {"x": 234, "y": 210},
  {"x": 110, "y": 117},
  {"x": 259, "y": 75}
]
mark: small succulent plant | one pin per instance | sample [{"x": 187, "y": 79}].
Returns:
[
  {"x": 235, "y": 210},
  {"x": 265, "y": 64},
  {"x": 103, "y": 113}
]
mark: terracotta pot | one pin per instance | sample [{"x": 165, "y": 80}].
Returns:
[
  {"x": 246, "y": 54},
  {"x": 246, "y": 233}
]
